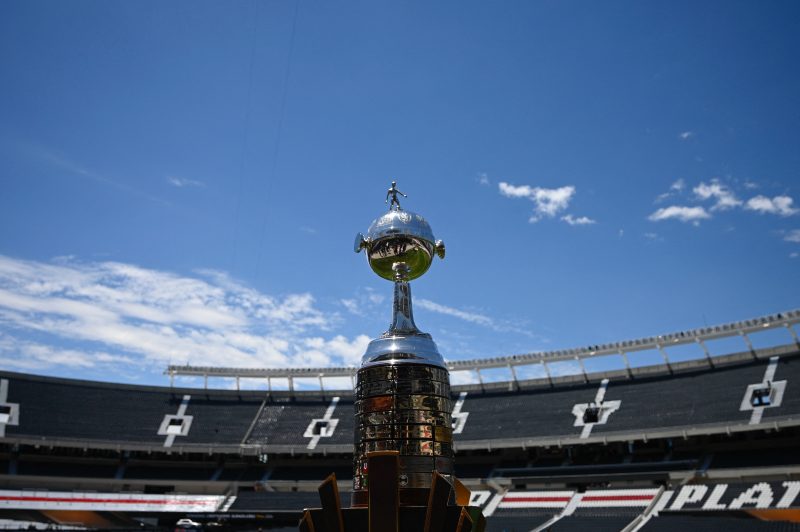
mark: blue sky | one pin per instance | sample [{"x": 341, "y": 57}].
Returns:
[{"x": 182, "y": 181}]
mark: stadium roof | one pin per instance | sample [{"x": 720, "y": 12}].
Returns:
[{"x": 660, "y": 343}]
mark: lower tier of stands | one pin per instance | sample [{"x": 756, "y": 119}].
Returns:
[
  {"x": 715, "y": 523},
  {"x": 696, "y": 507},
  {"x": 596, "y": 520}
]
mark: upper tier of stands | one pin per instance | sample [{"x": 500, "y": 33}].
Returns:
[{"x": 100, "y": 415}]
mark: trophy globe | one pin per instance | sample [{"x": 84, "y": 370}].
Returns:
[{"x": 400, "y": 247}]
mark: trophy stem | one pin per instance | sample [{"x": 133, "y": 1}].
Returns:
[{"x": 402, "y": 312}]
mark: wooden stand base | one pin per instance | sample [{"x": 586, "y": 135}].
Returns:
[{"x": 447, "y": 509}]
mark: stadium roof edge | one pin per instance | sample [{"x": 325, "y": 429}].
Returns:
[
  {"x": 533, "y": 384},
  {"x": 658, "y": 343}
]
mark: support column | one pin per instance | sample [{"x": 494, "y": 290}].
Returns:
[
  {"x": 624, "y": 356},
  {"x": 793, "y": 333},
  {"x": 706, "y": 351},
  {"x": 748, "y": 342},
  {"x": 579, "y": 360},
  {"x": 514, "y": 380},
  {"x": 666, "y": 357},
  {"x": 547, "y": 372}
]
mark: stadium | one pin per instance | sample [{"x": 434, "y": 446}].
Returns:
[
  {"x": 187, "y": 342},
  {"x": 696, "y": 429}
]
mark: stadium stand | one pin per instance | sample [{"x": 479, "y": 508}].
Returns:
[
  {"x": 243, "y": 474},
  {"x": 145, "y": 470},
  {"x": 284, "y": 420},
  {"x": 706, "y": 399},
  {"x": 696, "y": 444},
  {"x": 271, "y": 501},
  {"x": 87, "y": 411},
  {"x": 518, "y": 520},
  {"x": 596, "y": 519},
  {"x": 83, "y": 468},
  {"x": 313, "y": 473},
  {"x": 714, "y": 523},
  {"x": 746, "y": 458},
  {"x": 220, "y": 419},
  {"x": 84, "y": 411}
]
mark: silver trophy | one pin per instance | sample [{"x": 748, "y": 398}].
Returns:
[
  {"x": 403, "y": 400},
  {"x": 403, "y": 459}
]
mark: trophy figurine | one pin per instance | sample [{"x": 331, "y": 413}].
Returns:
[{"x": 403, "y": 445}]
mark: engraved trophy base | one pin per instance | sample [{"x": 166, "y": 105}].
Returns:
[
  {"x": 445, "y": 507},
  {"x": 405, "y": 408}
]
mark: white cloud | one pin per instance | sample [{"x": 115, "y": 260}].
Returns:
[
  {"x": 725, "y": 198},
  {"x": 181, "y": 182},
  {"x": 780, "y": 205},
  {"x": 674, "y": 189},
  {"x": 793, "y": 236},
  {"x": 684, "y": 214},
  {"x": 471, "y": 317},
  {"x": 512, "y": 191},
  {"x": 582, "y": 220},
  {"x": 364, "y": 303},
  {"x": 686, "y": 135},
  {"x": 483, "y": 179},
  {"x": 352, "y": 306},
  {"x": 29, "y": 356},
  {"x": 548, "y": 202},
  {"x": 374, "y": 297},
  {"x": 458, "y": 378},
  {"x": 84, "y": 314},
  {"x": 317, "y": 351},
  {"x": 794, "y": 255}
]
